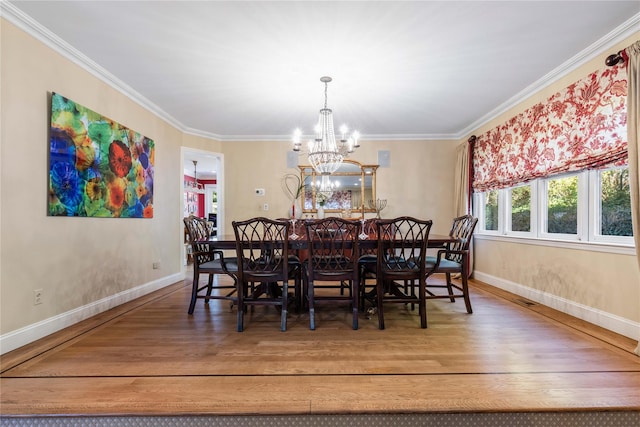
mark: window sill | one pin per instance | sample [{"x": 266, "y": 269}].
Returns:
[{"x": 614, "y": 248}]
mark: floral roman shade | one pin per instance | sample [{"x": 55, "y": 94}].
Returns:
[{"x": 580, "y": 127}]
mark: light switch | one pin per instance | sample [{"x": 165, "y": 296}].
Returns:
[{"x": 260, "y": 192}]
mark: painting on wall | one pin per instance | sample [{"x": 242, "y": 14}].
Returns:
[{"x": 97, "y": 167}]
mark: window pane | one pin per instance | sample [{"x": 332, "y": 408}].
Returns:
[
  {"x": 562, "y": 205},
  {"x": 615, "y": 207},
  {"x": 491, "y": 210},
  {"x": 521, "y": 208}
]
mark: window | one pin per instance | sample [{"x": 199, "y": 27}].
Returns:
[
  {"x": 614, "y": 213},
  {"x": 520, "y": 209},
  {"x": 491, "y": 211},
  {"x": 562, "y": 205},
  {"x": 589, "y": 206}
]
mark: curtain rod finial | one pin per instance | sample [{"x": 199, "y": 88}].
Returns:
[
  {"x": 472, "y": 138},
  {"x": 614, "y": 59}
]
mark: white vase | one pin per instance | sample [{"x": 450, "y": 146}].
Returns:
[{"x": 320, "y": 212}]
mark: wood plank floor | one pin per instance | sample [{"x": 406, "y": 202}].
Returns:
[{"x": 149, "y": 357}]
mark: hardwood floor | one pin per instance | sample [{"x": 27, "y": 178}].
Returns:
[{"x": 149, "y": 357}]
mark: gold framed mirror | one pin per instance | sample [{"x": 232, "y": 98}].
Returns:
[{"x": 354, "y": 184}]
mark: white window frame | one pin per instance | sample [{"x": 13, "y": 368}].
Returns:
[
  {"x": 580, "y": 214},
  {"x": 480, "y": 213},
  {"x": 595, "y": 207},
  {"x": 588, "y": 227}
]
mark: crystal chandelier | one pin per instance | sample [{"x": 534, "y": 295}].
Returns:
[
  {"x": 325, "y": 186},
  {"x": 325, "y": 154}
]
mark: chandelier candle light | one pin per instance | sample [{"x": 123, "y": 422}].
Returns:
[
  {"x": 325, "y": 154},
  {"x": 325, "y": 186},
  {"x": 195, "y": 186}
]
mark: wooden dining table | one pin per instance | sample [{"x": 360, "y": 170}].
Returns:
[{"x": 228, "y": 241}]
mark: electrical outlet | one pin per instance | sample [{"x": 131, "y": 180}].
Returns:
[
  {"x": 265, "y": 207},
  {"x": 156, "y": 265},
  {"x": 37, "y": 296}
]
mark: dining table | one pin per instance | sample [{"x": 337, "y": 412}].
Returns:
[{"x": 228, "y": 241}]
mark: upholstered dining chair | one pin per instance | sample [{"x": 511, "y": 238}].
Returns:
[
  {"x": 208, "y": 261},
  {"x": 332, "y": 262},
  {"x": 401, "y": 255},
  {"x": 262, "y": 250},
  {"x": 454, "y": 259}
]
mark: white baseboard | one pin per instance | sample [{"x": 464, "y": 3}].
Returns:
[
  {"x": 19, "y": 337},
  {"x": 601, "y": 318}
]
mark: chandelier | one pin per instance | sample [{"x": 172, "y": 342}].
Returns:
[
  {"x": 325, "y": 186},
  {"x": 194, "y": 186},
  {"x": 325, "y": 154}
]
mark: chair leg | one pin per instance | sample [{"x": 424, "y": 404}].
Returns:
[
  {"x": 423, "y": 303},
  {"x": 450, "y": 288},
  {"x": 362, "y": 284},
  {"x": 194, "y": 291},
  {"x": 241, "y": 308},
  {"x": 283, "y": 312},
  {"x": 465, "y": 291},
  {"x": 355, "y": 297},
  {"x": 209, "y": 288},
  {"x": 411, "y": 283},
  {"x": 300, "y": 292},
  {"x": 312, "y": 311},
  {"x": 379, "y": 295}
]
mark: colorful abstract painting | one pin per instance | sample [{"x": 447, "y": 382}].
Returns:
[{"x": 97, "y": 167}]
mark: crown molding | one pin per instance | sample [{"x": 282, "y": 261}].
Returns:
[
  {"x": 30, "y": 26},
  {"x": 363, "y": 137}
]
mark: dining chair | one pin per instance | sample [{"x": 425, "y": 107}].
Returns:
[
  {"x": 454, "y": 259},
  {"x": 208, "y": 261},
  {"x": 295, "y": 265},
  {"x": 332, "y": 263},
  {"x": 262, "y": 249},
  {"x": 367, "y": 262},
  {"x": 402, "y": 250}
]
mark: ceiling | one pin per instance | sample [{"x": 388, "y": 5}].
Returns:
[{"x": 250, "y": 70}]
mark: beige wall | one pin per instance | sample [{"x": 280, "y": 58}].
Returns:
[
  {"x": 418, "y": 183},
  {"x": 602, "y": 281},
  {"x": 606, "y": 282}
]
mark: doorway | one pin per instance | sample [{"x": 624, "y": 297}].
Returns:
[{"x": 209, "y": 167}]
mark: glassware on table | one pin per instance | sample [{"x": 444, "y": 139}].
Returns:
[
  {"x": 293, "y": 235},
  {"x": 362, "y": 234}
]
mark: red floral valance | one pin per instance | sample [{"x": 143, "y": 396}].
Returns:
[{"x": 581, "y": 127}]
